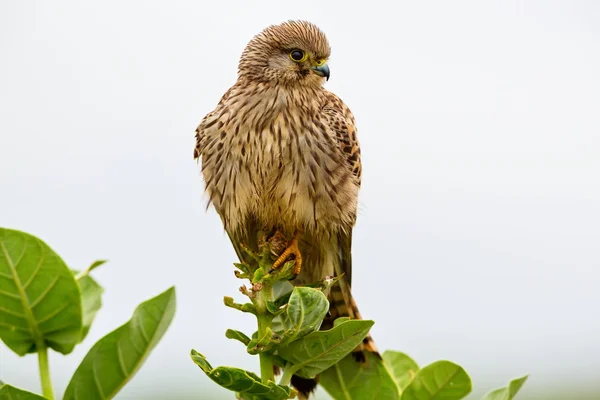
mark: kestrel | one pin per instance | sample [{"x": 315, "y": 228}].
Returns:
[{"x": 280, "y": 155}]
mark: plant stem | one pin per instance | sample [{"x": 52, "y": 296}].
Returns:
[
  {"x": 47, "y": 389},
  {"x": 264, "y": 319},
  {"x": 266, "y": 368},
  {"x": 286, "y": 378}
]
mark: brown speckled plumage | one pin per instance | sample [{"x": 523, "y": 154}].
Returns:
[{"x": 280, "y": 153}]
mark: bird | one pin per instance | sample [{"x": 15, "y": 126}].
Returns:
[{"x": 280, "y": 156}]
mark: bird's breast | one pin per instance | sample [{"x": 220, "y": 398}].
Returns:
[{"x": 280, "y": 166}]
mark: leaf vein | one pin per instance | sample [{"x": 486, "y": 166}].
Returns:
[
  {"x": 15, "y": 328},
  {"x": 11, "y": 295},
  {"x": 52, "y": 314},
  {"x": 97, "y": 381},
  {"x": 14, "y": 314},
  {"x": 121, "y": 361},
  {"x": 18, "y": 261},
  {"x": 7, "y": 276},
  {"x": 143, "y": 331},
  {"x": 36, "y": 270},
  {"x": 42, "y": 296}
]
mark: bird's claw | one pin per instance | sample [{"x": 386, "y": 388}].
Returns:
[{"x": 291, "y": 249}]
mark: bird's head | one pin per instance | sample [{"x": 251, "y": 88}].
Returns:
[{"x": 292, "y": 53}]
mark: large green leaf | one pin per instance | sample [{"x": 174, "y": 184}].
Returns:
[
  {"x": 352, "y": 380},
  {"x": 8, "y": 392},
  {"x": 304, "y": 313},
  {"x": 507, "y": 393},
  {"x": 318, "y": 351},
  {"x": 402, "y": 367},
  {"x": 41, "y": 301},
  {"x": 115, "y": 358},
  {"x": 441, "y": 380},
  {"x": 244, "y": 382}
]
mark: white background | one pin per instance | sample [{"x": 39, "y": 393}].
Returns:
[{"x": 479, "y": 231}]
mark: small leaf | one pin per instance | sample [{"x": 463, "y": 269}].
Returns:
[
  {"x": 246, "y": 307},
  {"x": 8, "y": 392},
  {"x": 340, "y": 320},
  {"x": 261, "y": 344},
  {"x": 258, "y": 275},
  {"x": 369, "y": 380},
  {"x": 402, "y": 367},
  {"x": 115, "y": 358},
  {"x": 40, "y": 298},
  {"x": 509, "y": 392},
  {"x": 89, "y": 269},
  {"x": 441, "y": 380},
  {"x": 304, "y": 313},
  {"x": 91, "y": 293},
  {"x": 318, "y": 351},
  {"x": 242, "y": 267},
  {"x": 237, "y": 335},
  {"x": 244, "y": 382}
]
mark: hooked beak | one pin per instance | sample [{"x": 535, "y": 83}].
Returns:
[{"x": 322, "y": 70}]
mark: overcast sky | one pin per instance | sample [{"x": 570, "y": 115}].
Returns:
[{"x": 479, "y": 229}]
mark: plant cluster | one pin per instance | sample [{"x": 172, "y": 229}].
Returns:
[
  {"x": 288, "y": 337},
  {"x": 45, "y": 305}
]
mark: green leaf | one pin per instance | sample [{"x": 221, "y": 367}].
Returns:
[
  {"x": 261, "y": 344},
  {"x": 89, "y": 269},
  {"x": 509, "y": 392},
  {"x": 91, "y": 293},
  {"x": 340, "y": 320},
  {"x": 246, "y": 383},
  {"x": 440, "y": 380},
  {"x": 237, "y": 335},
  {"x": 304, "y": 314},
  {"x": 8, "y": 392},
  {"x": 41, "y": 301},
  {"x": 403, "y": 367},
  {"x": 350, "y": 380},
  {"x": 318, "y": 351},
  {"x": 246, "y": 307},
  {"x": 95, "y": 265},
  {"x": 115, "y": 358},
  {"x": 282, "y": 291}
]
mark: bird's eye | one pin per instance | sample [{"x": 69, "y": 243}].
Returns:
[{"x": 298, "y": 55}]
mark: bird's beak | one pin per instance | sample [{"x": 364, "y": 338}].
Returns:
[{"x": 322, "y": 70}]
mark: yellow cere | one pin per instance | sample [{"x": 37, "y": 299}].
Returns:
[{"x": 318, "y": 63}]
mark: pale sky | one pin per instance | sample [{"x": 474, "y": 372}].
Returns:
[{"x": 479, "y": 231}]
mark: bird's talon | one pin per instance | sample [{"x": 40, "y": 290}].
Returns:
[{"x": 291, "y": 249}]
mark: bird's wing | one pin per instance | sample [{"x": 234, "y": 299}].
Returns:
[
  {"x": 342, "y": 304},
  {"x": 342, "y": 123},
  {"x": 207, "y": 122}
]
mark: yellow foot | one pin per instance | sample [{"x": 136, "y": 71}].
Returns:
[{"x": 292, "y": 248}]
